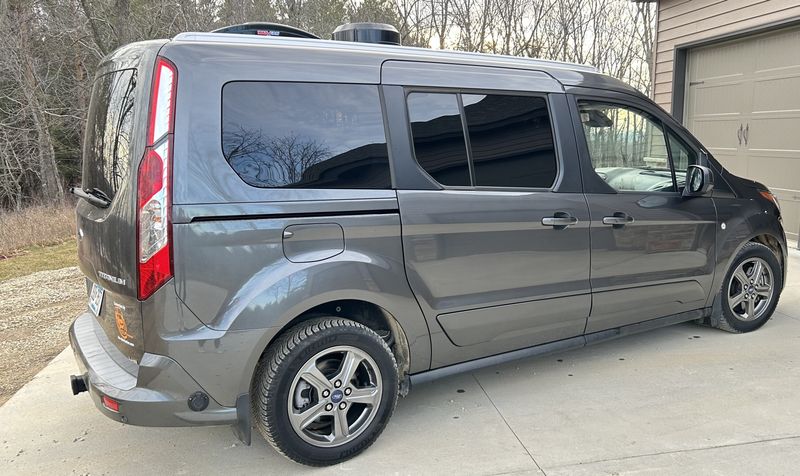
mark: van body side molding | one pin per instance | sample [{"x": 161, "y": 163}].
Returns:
[{"x": 184, "y": 213}]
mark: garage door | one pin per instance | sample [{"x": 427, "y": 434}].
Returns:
[{"x": 743, "y": 103}]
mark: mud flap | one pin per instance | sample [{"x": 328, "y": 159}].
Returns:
[
  {"x": 242, "y": 427},
  {"x": 714, "y": 316}
]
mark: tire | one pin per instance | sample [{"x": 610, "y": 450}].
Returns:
[
  {"x": 733, "y": 317},
  {"x": 280, "y": 387}
]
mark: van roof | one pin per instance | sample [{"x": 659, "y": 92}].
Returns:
[
  {"x": 388, "y": 50},
  {"x": 568, "y": 74}
]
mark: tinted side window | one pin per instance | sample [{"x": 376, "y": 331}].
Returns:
[
  {"x": 304, "y": 135},
  {"x": 109, "y": 131},
  {"x": 439, "y": 137},
  {"x": 511, "y": 140}
]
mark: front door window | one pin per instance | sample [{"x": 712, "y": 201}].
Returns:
[{"x": 628, "y": 148}]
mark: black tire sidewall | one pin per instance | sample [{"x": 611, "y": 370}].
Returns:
[
  {"x": 286, "y": 437},
  {"x": 752, "y": 250}
]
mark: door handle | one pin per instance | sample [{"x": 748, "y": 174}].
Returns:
[
  {"x": 739, "y": 134},
  {"x": 746, "y": 134},
  {"x": 559, "y": 220},
  {"x": 618, "y": 220}
]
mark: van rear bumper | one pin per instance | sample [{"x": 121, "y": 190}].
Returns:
[{"x": 154, "y": 392}]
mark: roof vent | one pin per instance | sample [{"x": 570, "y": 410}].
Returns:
[
  {"x": 266, "y": 29},
  {"x": 367, "y": 33}
]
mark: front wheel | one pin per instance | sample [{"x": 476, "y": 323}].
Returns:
[
  {"x": 751, "y": 289},
  {"x": 325, "y": 391}
]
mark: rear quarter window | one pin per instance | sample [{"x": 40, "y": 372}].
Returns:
[
  {"x": 109, "y": 131},
  {"x": 304, "y": 135}
]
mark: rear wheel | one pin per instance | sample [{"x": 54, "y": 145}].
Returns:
[
  {"x": 325, "y": 391},
  {"x": 751, "y": 290}
]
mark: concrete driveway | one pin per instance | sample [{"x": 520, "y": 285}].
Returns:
[{"x": 680, "y": 400}]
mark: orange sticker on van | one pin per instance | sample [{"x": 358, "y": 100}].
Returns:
[{"x": 122, "y": 326}]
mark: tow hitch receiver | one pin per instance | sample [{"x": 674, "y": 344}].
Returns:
[{"x": 78, "y": 383}]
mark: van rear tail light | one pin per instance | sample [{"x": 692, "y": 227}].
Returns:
[
  {"x": 154, "y": 185},
  {"x": 162, "y": 101}
]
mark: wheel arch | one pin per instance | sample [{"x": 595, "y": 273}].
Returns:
[
  {"x": 764, "y": 237},
  {"x": 364, "y": 311},
  {"x": 770, "y": 236}
]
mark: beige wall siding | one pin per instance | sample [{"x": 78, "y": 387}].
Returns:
[{"x": 688, "y": 21}]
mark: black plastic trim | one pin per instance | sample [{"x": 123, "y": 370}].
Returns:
[
  {"x": 242, "y": 427},
  {"x": 274, "y": 216},
  {"x": 558, "y": 346}
]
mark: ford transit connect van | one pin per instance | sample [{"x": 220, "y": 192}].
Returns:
[{"x": 289, "y": 232}]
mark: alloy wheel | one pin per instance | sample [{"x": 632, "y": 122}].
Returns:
[
  {"x": 334, "y": 396},
  {"x": 751, "y": 289}
]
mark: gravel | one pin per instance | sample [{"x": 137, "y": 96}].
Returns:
[{"x": 35, "y": 314}]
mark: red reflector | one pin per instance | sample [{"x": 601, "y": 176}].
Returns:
[
  {"x": 110, "y": 403},
  {"x": 151, "y": 176},
  {"x": 155, "y": 272}
]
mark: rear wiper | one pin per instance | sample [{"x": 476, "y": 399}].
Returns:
[
  {"x": 98, "y": 193},
  {"x": 94, "y": 196}
]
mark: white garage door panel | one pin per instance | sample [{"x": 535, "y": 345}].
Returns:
[
  {"x": 717, "y": 63},
  {"x": 777, "y": 50},
  {"x": 718, "y": 99},
  {"x": 716, "y": 132},
  {"x": 770, "y": 94},
  {"x": 752, "y": 84},
  {"x": 781, "y": 134}
]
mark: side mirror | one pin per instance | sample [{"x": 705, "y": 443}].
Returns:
[{"x": 699, "y": 181}]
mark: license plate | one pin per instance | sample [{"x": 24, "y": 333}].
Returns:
[{"x": 96, "y": 298}]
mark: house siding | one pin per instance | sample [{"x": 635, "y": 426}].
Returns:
[{"x": 683, "y": 22}]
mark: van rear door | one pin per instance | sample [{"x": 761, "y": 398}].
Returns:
[{"x": 114, "y": 144}]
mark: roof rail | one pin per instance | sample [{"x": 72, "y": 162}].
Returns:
[{"x": 409, "y": 52}]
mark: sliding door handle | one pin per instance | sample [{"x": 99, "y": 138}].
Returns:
[
  {"x": 618, "y": 220},
  {"x": 559, "y": 220}
]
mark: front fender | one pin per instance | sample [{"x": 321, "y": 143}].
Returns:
[{"x": 743, "y": 221}]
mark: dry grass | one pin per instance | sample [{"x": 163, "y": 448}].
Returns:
[
  {"x": 36, "y": 226},
  {"x": 39, "y": 258}
]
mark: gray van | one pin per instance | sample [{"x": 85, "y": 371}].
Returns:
[{"x": 290, "y": 232}]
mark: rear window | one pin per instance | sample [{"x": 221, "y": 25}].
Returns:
[
  {"x": 109, "y": 131},
  {"x": 304, "y": 135}
]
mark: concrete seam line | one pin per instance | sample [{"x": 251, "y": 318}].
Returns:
[
  {"x": 688, "y": 450},
  {"x": 507, "y": 425}
]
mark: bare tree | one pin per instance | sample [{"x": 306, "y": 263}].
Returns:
[
  {"x": 272, "y": 161},
  {"x": 25, "y": 93}
]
